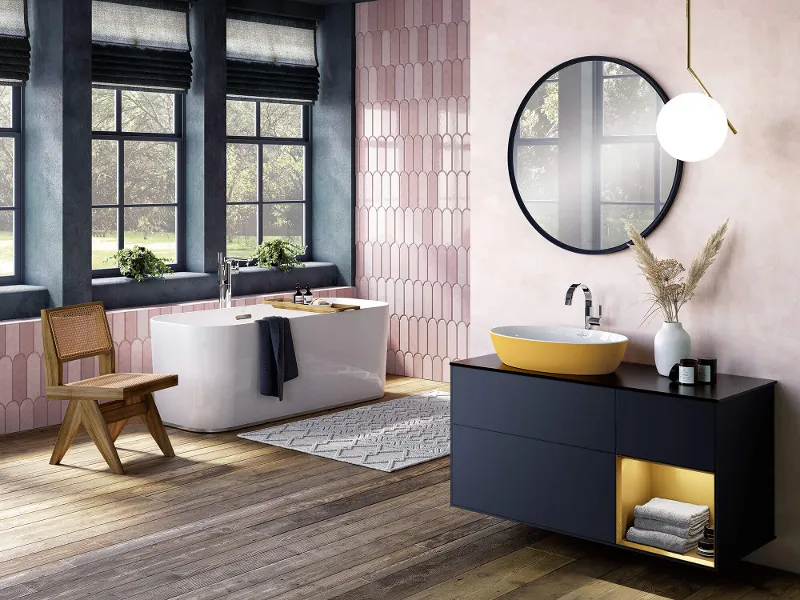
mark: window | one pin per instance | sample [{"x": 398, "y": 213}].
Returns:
[
  {"x": 267, "y": 174},
  {"x": 137, "y": 174},
  {"x": 10, "y": 176},
  {"x": 636, "y": 175},
  {"x": 537, "y": 157}
]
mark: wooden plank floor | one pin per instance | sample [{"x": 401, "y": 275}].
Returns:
[{"x": 229, "y": 518}]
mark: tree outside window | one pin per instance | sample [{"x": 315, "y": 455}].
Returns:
[
  {"x": 266, "y": 174},
  {"x": 136, "y": 173}
]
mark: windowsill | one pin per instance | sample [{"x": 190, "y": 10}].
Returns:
[
  {"x": 22, "y": 301},
  {"x": 123, "y": 292}
]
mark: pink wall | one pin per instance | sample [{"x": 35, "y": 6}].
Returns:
[
  {"x": 746, "y": 312},
  {"x": 22, "y": 402},
  {"x": 413, "y": 165}
]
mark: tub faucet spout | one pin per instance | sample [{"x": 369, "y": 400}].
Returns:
[{"x": 227, "y": 267}]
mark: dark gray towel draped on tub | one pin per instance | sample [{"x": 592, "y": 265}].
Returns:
[{"x": 278, "y": 363}]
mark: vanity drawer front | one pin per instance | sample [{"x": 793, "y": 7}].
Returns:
[
  {"x": 544, "y": 409},
  {"x": 553, "y": 486},
  {"x": 666, "y": 429}
]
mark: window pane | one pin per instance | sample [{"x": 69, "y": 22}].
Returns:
[
  {"x": 540, "y": 117},
  {"x": 154, "y": 228},
  {"x": 546, "y": 215},
  {"x": 284, "y": 221},
  {"x": 5, "y": 106},
  {"x": 630, "y": 107},
  {"x": 104, "y": 172},
  {"x": 148, "y": 112},
  {"x": 150, "y": 172},
  {"x": 281, "y": 120},
  {"x": 6, "y": 243},
  {"x": 627, "y": 173},
  {"x": 103, "y": 110},
  {"x": 242, "y": 230},
  {"x": 613, "y": 230},
  {"x": 6, "y": 172},
  {"x": 537, "y": 172},
  {"x": 242, "y": 173},
  {"x": 283, "y": 173},
  {"x": 241, "y": 118},
  {"x": 104, "y": 237},
  {"x": 610, "y": 68}
]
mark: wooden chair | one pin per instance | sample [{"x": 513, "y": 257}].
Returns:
[{"x": 81, "y": 331}]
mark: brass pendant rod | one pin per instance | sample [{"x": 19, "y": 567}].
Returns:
[{"x": 689, "y": 57}]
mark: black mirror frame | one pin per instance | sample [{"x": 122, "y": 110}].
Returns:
[{"x": 512, "y": 137}]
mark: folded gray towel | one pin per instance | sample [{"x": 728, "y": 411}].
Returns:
[
  {"x": 673, "y": 512},
  {"x": 665, "y": 541},
  {"x": 683, "y": 532}
]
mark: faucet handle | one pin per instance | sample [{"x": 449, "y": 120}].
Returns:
[{"x": 599, "y": 311}]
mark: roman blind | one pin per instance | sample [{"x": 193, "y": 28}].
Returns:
[
  {"x": 15, "y": 49},
  {"x": 272, "y": 58},
  {"x": 141, "y": 44}
]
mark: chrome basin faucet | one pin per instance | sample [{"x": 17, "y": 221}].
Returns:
[
  {"x": 590, "y": 321},
  {"x": 226, "y": 269}
]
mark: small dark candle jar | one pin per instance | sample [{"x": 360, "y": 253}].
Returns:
[
  {"x": 707, "y": 370},
  {"x": 687, "y": 371}
]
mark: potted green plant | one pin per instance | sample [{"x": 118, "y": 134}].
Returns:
[
  {"x": 279, "y": 253},
  {"x": 140, "y": 263}
]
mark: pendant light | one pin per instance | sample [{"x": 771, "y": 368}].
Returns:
[{"x": 692, "y": 127}]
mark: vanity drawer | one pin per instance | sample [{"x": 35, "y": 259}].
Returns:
[
  {"x": 548, "y": 485},
  {"x": 533, "y": 407},
  {"x": 666, "y": 429}
]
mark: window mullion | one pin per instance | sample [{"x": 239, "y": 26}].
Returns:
[
  {"x": 120, "y": 194},
  {"x": 260, "y": 194}
]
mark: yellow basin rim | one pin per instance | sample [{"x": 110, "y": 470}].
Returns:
[{"x": 559, "y": 357}]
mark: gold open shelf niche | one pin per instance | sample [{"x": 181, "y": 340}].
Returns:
[{"x": 639, "y": 480}]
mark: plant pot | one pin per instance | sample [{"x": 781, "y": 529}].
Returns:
[{"x": 670, "y": 345}]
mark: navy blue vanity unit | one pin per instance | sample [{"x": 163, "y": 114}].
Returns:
[{"x": 576, "y": 454}]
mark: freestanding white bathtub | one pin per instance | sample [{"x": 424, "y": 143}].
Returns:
[{"x": 341, "y": 359}]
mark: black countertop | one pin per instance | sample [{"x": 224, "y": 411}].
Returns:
[{"x": 634, "y": 377}]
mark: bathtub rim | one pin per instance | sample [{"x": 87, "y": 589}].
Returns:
[{"x": 177, "y": 318}]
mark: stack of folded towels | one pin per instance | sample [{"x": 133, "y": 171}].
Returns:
[{"x": 669, "y": 525}]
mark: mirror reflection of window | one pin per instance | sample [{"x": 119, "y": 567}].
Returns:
[{"x": 586, "y": 156}]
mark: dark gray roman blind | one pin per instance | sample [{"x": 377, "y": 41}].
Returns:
[
  {"x": 15, "y": 49},
  {"x": 141, "y": 44},
  {"x": 272, "y": 58}
]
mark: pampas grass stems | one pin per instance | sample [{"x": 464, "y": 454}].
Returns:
[{"x": 670, "y": 289}]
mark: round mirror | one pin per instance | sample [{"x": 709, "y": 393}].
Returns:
[{"x": 583, "y": 155}]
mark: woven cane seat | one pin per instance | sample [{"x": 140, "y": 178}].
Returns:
[{"x": 114, "y": 386}]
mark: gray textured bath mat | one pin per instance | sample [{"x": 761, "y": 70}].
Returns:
[{"x": 386, "y": 436}]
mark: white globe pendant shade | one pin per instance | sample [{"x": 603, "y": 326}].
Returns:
[{"x": 692, "y": 127}]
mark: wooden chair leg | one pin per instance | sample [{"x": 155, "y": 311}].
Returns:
[
  {"x": 69, "y": 429},
  {"x": 156, "y": 427},
  {"x": 114, "y": 429},
  {"x": 95, "y": 424}
]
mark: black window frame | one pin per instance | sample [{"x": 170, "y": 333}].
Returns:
[
  {"x": 120, "y": 136},
  {"x": 261, "y": 141},
  {"x": 15, "y": 132}
]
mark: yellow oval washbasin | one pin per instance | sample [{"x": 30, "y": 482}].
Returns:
[{"x": 563, "y": 350}]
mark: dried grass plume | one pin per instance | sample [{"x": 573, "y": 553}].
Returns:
[{"x": 670, "y": 288}]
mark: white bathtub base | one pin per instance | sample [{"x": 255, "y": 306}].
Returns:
[
  {"x": 348, "y": 403},
  {"x": 341, "y": 360}
]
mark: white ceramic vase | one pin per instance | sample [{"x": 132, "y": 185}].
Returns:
[{"x": 671, "y": 344}]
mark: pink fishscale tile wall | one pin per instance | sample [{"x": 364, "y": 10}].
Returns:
[
  {"x": 23, "y": 404},
  {"x": 412, "y": 179}
]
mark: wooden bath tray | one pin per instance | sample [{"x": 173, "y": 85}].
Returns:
[{"x": 333, "y": 308}]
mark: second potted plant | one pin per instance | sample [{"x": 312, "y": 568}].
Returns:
[{"x": 279, "y": 253}]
